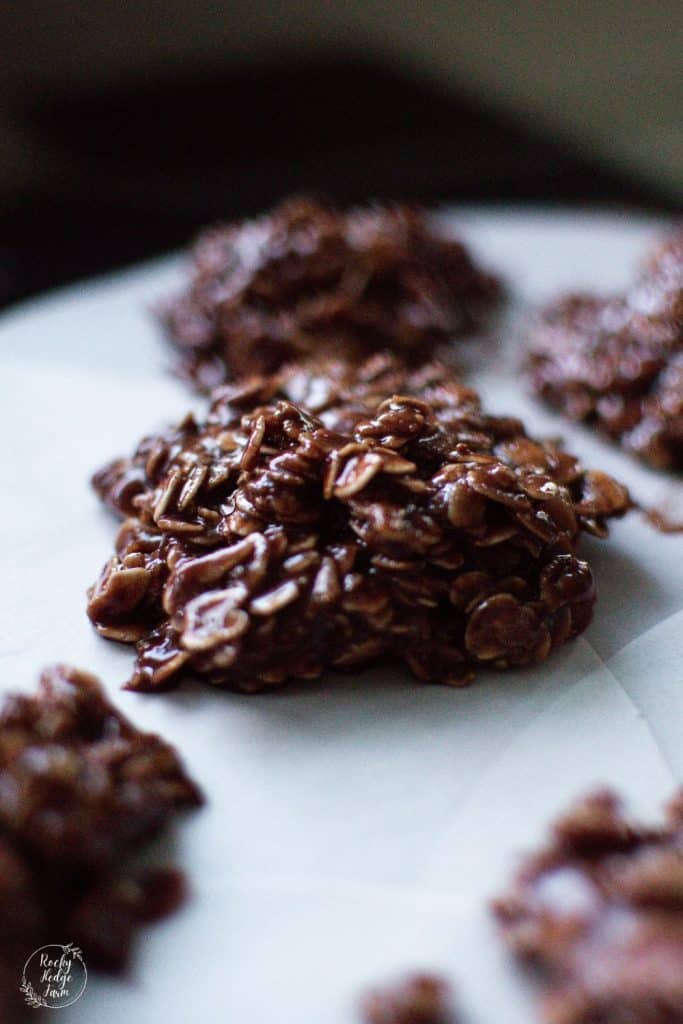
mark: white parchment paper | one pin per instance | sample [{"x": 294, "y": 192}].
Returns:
[{"x": 355, "y": 828}]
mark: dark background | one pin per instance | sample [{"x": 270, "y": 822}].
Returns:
[{"x": 114, "y": 167}]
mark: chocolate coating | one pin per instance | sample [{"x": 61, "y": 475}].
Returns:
[
  {"x": 599, "y": 913},
  {"x": 618, "y": 362},
  {"x": 307, "y": 279},
  {"x": 276, "y": 539}
]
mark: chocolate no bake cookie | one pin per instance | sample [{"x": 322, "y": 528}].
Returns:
[
  {"x": 599, "y": 912},
  {"x": 618, "y": 362},
  {"x": 277, "y": 539},
  {"x": 81, "y": 791},
  {"x": 416, "y": 999},
  {"x": 307, "y": 278}
]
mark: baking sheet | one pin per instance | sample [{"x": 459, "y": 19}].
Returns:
[{"x": 356, "y": 827}]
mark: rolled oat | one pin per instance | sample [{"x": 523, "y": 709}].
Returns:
[
  {"x": 618, "y": 362},
  {"x": 277, "y": 540},
  {"x": 81, "y": 791},
  {"x": 599, "y": 912},
  {"x": 307, "y": 278}
]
